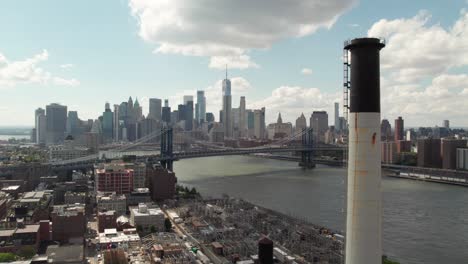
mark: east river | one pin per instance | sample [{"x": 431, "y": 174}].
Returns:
[{"x": 422, "y": 222}]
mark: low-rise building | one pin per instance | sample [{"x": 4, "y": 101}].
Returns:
[
  {"x": 13, "y": 240},
  {"x": 66, "y": 152},
  {"x": 139, "y": 195},
  {"x": 69, "y": 254},
  {"x": 113, "y": 237},
  {"x": 12, "y": 190},
  {"x": 106, "y": 220},
  {"x": 111, "y": 202},
  {"x": 68, "y": 221},
  {"x": 148, "y": 217},
  {"x": 75, "y": 197}
]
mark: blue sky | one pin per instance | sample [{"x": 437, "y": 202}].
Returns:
[{"x": 90, "y": 52}]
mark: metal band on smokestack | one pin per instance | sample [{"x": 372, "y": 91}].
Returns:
[{"x": 364, "y": 204}]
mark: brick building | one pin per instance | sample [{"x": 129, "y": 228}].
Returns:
[
  {"x": 399, "y": 129},
  {"x": 403, "y": 146},
  {"x": 161, "y": 182},
  {"x": 106, "y": 220},
  {"x": 449, "y": 152},
  {"x": 68, "y": 221},
  {"x": 429, "y": 153},
  {"x": 389, "y": 152},
  {"x": 114, "y": 177}
]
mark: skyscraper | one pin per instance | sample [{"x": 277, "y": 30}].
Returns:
[
  {"x": 337, "y": 117},
  {"x": 259, "y": 123},
  {"x": 181, "y": 109},
  {"x": 429, "y": 154},
  {"x": 301, "y": 123},
  {"x": 446, "y": 124},
  {"x": 138, "y": 110},
  {"x": 40, "y": 134},
  {"x": 188, "y": 98},
  {"x": 189, "y": 115},
  {"x": 235, "y": 115},
  {"x": 319, "y": 125},
  {"x": 201, "y": 107},
  {"x": 250, "y": 123},
  {"x": 385, "y": 130},
  {"x": 73, "y": 124},
  {"x": 399, "y": 128},
  {"x": 130, "y": 121},
  {"x": 116, "y": 123},
  {"x": 210, "y": 117},
  {"x": 242, "y": 118},
  {"x": 155, "y": 109},
  {"x": 107, "y": 124},
  {"x": 56, "y": 123},
  {"x": 449, "y": 148},
  {"x": 166, "y": 112},
  {"x": 227, "y": 106}
]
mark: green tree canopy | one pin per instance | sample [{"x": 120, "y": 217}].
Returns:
[{"x": 7, "y": 257}]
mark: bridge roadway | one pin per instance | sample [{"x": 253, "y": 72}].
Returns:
[{"x": 88, "y": 161}]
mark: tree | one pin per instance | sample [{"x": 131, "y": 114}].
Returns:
[
  {"x": 27, "y": 252},
  {"x": 7, "y": 257},
  {"x": 167, "y": 224},
  {"x": 385, "y": 260},
  {"x": 139, "y": 228}
]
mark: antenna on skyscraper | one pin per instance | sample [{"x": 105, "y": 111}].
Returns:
[{"x": 226, "y": 71}]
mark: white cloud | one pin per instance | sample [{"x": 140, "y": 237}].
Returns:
[
  {"x": 65, "y": 82},
  {"x": 419, "y": 52},
  {"x": 29, "y": 71},
  {"x": 306, "y": 71},
  {"x": 416, "y": 50},
  {"x": 225, "y": 30},
  {"x": 66, "y": 66}
]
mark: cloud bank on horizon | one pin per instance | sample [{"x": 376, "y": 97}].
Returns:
[
  {"x": 420, "y": 52},
  {"x": 423, "y": 66},
  {"x": 225, "y": 31},
  {"x": 29, "y": 71}
]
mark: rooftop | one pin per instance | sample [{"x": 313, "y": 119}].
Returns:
[
  {"x": 11, "y": 188},
  {"x": 143, "y": 210},
  {"x": 65, "y": 254},
  {"x": 33, "y": 195},
  {"x": 69, "y": 209},
  {"x": 28, "y": 229},
  {"x": 113, "y": 236}
]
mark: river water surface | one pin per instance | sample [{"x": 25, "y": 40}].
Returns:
[{"x": 422, "y": 222}]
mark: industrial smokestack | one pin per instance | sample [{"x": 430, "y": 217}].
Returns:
[{"x": 364, "y": 205}]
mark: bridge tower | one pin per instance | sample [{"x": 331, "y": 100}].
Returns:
[
  {"x": 167, "y": 160},
  {"x": 307, "y": 156}
]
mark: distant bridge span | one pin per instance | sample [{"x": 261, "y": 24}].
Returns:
[{"x": 90, "y": 160}]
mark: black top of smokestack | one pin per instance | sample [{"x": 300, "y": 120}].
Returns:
[
  {"x": 265, "y": 251},
  {"x": 365, "y": 74}
]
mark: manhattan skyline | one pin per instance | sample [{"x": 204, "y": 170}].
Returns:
[{"x": 119, "y": 50}]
